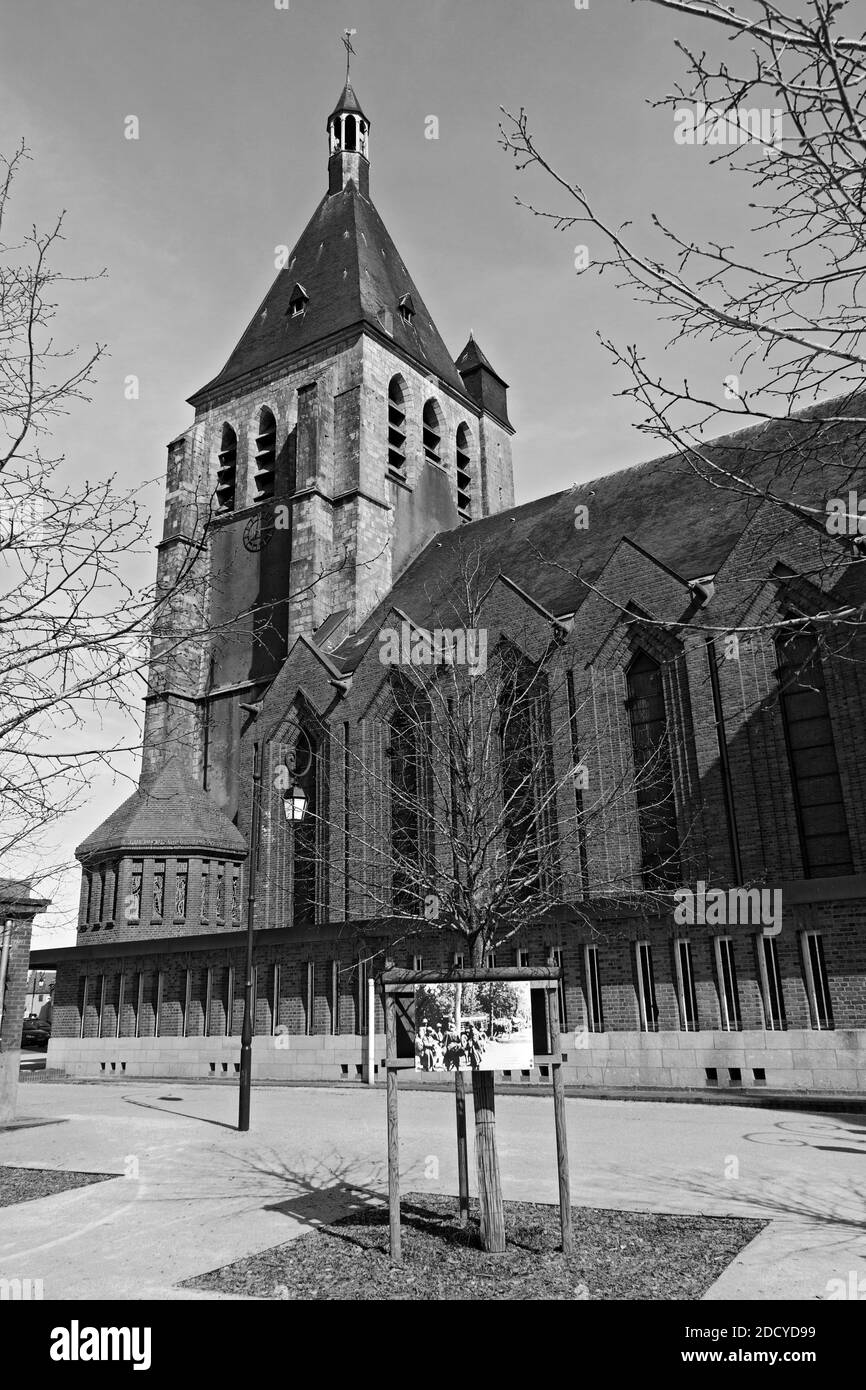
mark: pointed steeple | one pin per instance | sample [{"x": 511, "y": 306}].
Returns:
[
  {"x": 348, "y": 137},
  {"x": 483, "y": 383}
]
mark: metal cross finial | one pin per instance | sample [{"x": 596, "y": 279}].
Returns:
[{"x": 347, "y": 43}]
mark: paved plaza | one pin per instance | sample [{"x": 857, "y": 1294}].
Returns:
[{"x": 192, "y": 1193}]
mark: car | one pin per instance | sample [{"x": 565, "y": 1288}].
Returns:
[{"x": 35, "y": 1032}]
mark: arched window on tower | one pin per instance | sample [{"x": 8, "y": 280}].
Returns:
[
  {"x": 464, "y": 482},
  {"x": 396, "y": 426},
  {"x": 656, "y": 806},
  {"x": 432, "y": 429},
  {"x": 227, "y": 468},
  {"x": 266, "y": 455}
]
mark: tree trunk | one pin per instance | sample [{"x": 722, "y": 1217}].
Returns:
[
  {"x": 487, "y": 1161},
  {"x": 486, "y": 1157}
]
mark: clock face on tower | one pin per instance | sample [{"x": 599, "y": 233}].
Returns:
[{"x": 259, "y": 530}]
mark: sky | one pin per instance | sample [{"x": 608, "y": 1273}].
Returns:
[{"x": 231, "y": 100}]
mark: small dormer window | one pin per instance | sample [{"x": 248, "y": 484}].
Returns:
[
  {"x": 298, "y": 301},
  {"x": 407, "y": 308}
]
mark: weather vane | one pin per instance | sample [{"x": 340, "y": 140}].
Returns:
[{"x": 347, "y": 43}]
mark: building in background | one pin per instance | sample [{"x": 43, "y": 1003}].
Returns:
[{"x": 347, "y": 462}]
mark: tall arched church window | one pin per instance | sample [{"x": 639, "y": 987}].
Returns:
[
  {"x": 654, "y": 781},
  {"x": 409, "y": 782},
  {"x": 309, "y": 836},
  {"x": 818, "y": 800}
]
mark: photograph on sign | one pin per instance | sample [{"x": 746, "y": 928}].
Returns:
[{"x": 473, "y": 1027}]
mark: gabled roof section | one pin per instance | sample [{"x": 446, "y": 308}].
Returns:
[
  {"x": 172, "y": 813},
  {"x": 665, "y": 508},
  {"x": 354, "y": 276}
]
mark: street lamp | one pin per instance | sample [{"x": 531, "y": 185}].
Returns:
[{"x": 294, "y": 804}]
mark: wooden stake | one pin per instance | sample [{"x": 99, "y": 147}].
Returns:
[
  {"x": 393, "y": 1140},
  {"x": 565, "y": 1217},
  {"x": 489, "y": 1186},
  {"x": 462, "y": 1151}
]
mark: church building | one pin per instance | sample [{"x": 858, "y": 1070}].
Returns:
[{"x": 337, "y": 469}]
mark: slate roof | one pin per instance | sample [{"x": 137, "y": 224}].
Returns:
[
  {"x": 664, "y": 506},
  {"x": 354, "y": 275},
  {"x": 348, "y": 102},
  {"x": 472, "y": 357},
  {"x": 172, "y": 813}
]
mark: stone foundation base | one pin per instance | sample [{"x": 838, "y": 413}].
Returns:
[{"x": 799, "y": 1060}]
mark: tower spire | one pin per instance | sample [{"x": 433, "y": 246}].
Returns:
[{"x": 348, "y": 134}]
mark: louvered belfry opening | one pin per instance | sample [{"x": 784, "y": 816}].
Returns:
[
  {"x": 432, "y": 430},
  {"x": 464, "y": 496},
  {"x": 227, "y": 468},
  {"x": 266, "y": 456},
  {"x": 396, "y": 426}
]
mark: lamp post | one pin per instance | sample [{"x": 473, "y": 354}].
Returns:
[{"x": 295, "y": 808}]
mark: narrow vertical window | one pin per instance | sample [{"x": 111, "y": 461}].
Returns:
[
  {"x": 208, "y": 1002},
  {"x": 133, "y": 903},
  {"x": 771, "y": 983},
  {"x": 464, "y": 482},
  {"x": 236, "y": 895},
  {"x": 686, "y": 995},
  {"x": 115, "y": 890},
  {"x": 157, "y": 1007},
  {"x": 594, "y": 1014},
  {"x": 311, "y": 996},
  {"x": 121, "y": 990},
  {"x": 221, "y": 892},
  {"x": 266, "y": 456},
  {"x": 432, "y": 432},
  {"x": 816, "y": 980},
  {"x": 648, "y": 1008},
  {"x": 657, "y": 819},
  {"x": 555, "y": 953},
  {"x": 819, "y": 804},
  {"x": 227, "y": 467},
  {"x": 363, "y": 969},
  {"x": 335, "y": 996},
  {"x": 99, "y": 1001},
  {"x": 396, "y": 426},
  {"x": 204, "y": 908},
  {"x": 86, "y": 890},
  {"x": 729, "y": 993},
  {"x": 158, "y": 890},
  {"x": 181, "y": 882}
]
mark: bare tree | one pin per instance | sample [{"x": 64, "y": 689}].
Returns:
[
  {"x": 488, "y": 807},
  {"x": 786, "y": 107}
]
